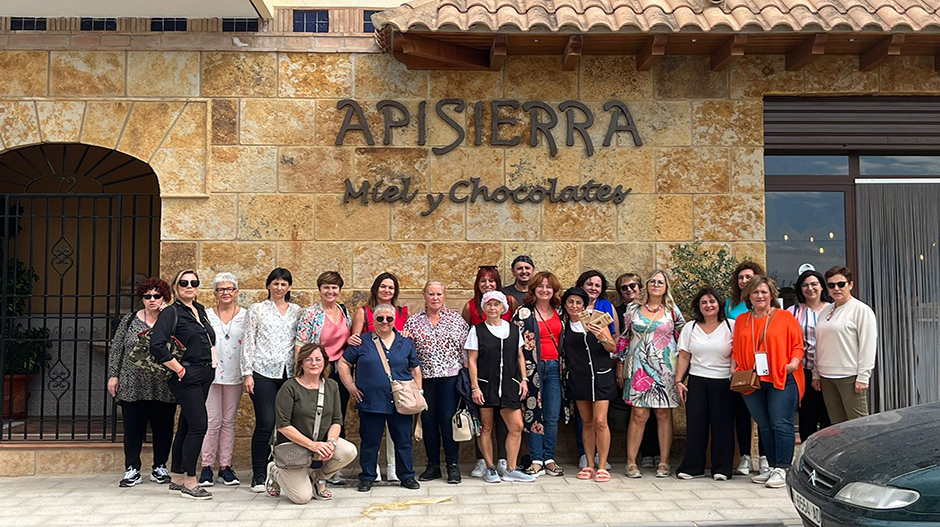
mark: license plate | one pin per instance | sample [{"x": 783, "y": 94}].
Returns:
[{"x": 807, "y": 508}]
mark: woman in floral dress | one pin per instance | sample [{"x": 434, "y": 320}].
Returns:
[{"x": 648, "y": 367}]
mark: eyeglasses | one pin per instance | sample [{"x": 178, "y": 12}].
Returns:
[
  {"x": 313, "y": 360},
  {"x": 630, "y": 287},
  {"x": 656, "y": 282},
  {"x": 224, "y": 290},
  {"x": 188, "y": 283},
  {"x": 385, "y": 320},
  {"x": 833, "y": 285},
  {"x": 809, "y": 285},
  {"x": 154, "y": 297},
  {"x": 480, "y": 268}
]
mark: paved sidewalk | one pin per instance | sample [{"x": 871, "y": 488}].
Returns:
[{"x": 97, "y": 500}]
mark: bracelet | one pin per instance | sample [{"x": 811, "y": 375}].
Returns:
[
  {"x": 180, "y": 373},
  {"x": 476, "y": 389}
]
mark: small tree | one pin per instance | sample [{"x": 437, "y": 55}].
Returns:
[{"x": 694, "y": 268}]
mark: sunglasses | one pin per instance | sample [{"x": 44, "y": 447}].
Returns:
[
  {"x": 629, "y": 287},
  {"x": 188, "y": 283},
  {"x": 225, "y": 290},
  {"x": 833, "y": 285},
  {"x": 154, "y": 297},
  {"x": 656, "y": 282},
  {"x": 385, "y": 320},
  {"x": 480, "y": 268}
]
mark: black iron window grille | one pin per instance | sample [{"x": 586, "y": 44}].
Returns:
[
  {"x": 27, "y": 23},
  {"x": 167, "y": 24},
  {"x": 311, "y": 21},
  {"x": 367, "y": 26},
  {"x": 239, "y": 25},
  {"x": 99, "y": 24}
]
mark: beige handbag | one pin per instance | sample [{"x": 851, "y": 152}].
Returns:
[
  {"x": 462, "y": 425},
  {"x": 292, "y": 455},
  {"x": 408, "y": 398}
]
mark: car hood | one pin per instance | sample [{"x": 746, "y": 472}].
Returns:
[{"x": 881, "y": 447}]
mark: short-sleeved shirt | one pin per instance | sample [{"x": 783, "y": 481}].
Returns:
[
  {"x": 510, "y": 290},
  {"x": 501, "y": 331},
  {"x": 711, "y": 353},
  {"x": 440, "y": 348},
  {"x": 297, "y": 406},
  {"x": 370, "y": 374}
]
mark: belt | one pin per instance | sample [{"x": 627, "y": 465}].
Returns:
[{"x": 185, "y": 363}]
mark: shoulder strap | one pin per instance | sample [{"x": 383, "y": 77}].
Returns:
[
  {"x": 381, "y": 351},
  {"x": 316, "y": 421}
]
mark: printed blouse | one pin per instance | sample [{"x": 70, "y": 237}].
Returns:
[
  {"x": 808, "y": 320},
  {"x": 268, "y": 344},
  {"x": 310, "y": 326},
  {"x": 439, "y": 348},
  {"x": 228, "y": 345}
]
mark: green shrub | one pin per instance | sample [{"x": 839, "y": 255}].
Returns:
[{"x": 694, "y": 268}]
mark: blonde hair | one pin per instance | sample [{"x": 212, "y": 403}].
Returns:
[
  {"x": 756, "y": 282},
  {"x": 644, "y": 292},
  {"x": 176, "y": 281}
]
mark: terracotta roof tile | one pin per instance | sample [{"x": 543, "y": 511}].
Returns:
[{"x": 663, "y": 15}]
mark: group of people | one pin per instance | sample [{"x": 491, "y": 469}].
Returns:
[{"x": 520, "y": 358}]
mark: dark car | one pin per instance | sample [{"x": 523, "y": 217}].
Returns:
[{"x": 880, "y": 470}]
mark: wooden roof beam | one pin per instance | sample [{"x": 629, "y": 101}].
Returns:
[
  {"x": 652, "y": 51},
  {"x": 463, "y": 57},
  {"x": 730, "y": 51},
  {"x": 808, "y": 51},
  {"x": 498, "y": 52},
  {"x": 572, "y": 55},
  {"x": 888, "y": 47}
]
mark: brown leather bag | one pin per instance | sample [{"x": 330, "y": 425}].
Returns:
[{"x": 748, "y": 380}]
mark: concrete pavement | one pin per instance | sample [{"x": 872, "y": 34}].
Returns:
[{"x": 97, "y": 500}]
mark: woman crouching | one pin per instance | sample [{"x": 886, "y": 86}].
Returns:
[{"x": 297, "y": 405}]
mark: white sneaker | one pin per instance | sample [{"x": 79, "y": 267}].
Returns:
[
  {"x": 491, "y": 476},
  {"x": 763, "y": 464},
  {"x": 744, "y": 466},
  {"x": 518, "y": 475},
  {"x": 502, "y": 468},
  {"x": 390, "y": 473},
  {"x": 762, "y": 477},
  {"x": 683, "y": 475},
  {"x": 479, "y": 470},
  {"x": 378, "y": 472},
  {"x": 719, "y": 477},
  {"x": 582, "y": 462},
  {"x": 778, "y": 478}
]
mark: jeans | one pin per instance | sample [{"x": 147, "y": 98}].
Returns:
[
  {"x": 542, "y": 446},
  {"x": 742, "y": 426},
  {"x": 371, "y": 429},
  {"x": 191, "y": 392},
  {"x": 773, "y": 410},
  {"x": 136, "y": 416},
  {"x": 441, "y": 395},
  {"x": 264, "y": 401}
]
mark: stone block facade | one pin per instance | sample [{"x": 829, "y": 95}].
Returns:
[{"x": 242, "y": 143}]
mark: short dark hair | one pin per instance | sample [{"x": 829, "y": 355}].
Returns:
[
  {"x": 279, "y": 273},
  {"x": 374, "y": 291},
  {"x": 155, "y": 283},
  {"x": 697, "y": 311},
  {"x": 591, "y": 273},
  {"x": 573, "y": 291},
  {"x": 844, "y": 271},
  {"x": 800, "y": 297},
  {"x": 735, "y": 288},
  {"x": 331, "y": 278}
]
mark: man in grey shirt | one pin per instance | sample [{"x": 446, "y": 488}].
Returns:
[{"x": 522, "y": 270}]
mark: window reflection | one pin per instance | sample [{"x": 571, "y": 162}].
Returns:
[
  {"x": 804, "y": 227},
  {"x": 810, "y": 165},
  {"x": 899, "y": 165}
]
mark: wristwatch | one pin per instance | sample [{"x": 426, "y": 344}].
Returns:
[{"x": 331, "y": 441}]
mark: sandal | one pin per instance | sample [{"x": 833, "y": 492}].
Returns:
[
  {"x": 586, "y": 473},
  {"x": 662, "y": 471},
  {"x": 535, "y": 469},
  {"x": 324, "y": 494},
  {"x": 602, "y": 476},
  {"x": 554, "y": 469},
  {"x": 632, "y": 471}
]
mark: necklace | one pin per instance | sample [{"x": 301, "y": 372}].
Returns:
[
  {"x": 227, "y": 328},
  {"x": 651, "y": 310}
]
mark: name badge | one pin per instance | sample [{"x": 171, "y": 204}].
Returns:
[{"x": 760, "y": 364}]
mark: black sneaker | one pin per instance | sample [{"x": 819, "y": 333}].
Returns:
[
  {"x": 410, "y": 483},
  {"x": 131, "y": 478},
  {"x": 453, "y": 473},
  {"x": 227, "y": 475},
  {"x": 160, "y": 475},
  {"x": 196, "y": 493},
  {"x": 205, "y": 477},
  {"x": 174, "y": 488},
  {"x": 432, "y": 472},
  {"x": 257, "y": 483}
]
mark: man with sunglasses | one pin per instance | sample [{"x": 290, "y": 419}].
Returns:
[
  {"x": 846, "y": 341},
  {"x": 523, "y": 268}
]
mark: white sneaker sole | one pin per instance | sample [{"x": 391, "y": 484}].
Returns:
[
  {"x": 129, "y": 485},
  {"x": 232, "y": 483},
  {"x": 206, "y": 483}
]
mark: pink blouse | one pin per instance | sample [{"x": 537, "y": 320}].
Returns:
[{"x": 333, "y": 338}]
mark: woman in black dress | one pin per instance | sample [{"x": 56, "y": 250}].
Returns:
[{"x": 590, "y": 379}]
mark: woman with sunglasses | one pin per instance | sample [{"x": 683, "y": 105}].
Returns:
[
  {"x": 488, "y": 280},
  {"x": 770, "y": 341},
  {"x": 225, "y": 394},
  {"x": 373, "y": 394},
  {"x": 267, "y": 362},
  {"x": 651, "y": 327},
  {"x": 846, "y": 341},
  {"x": 143, "y": 398},
  {"x": 186, "y": 321},
  {"x": 811, "y": 299},
  {"x": 628, "y": 289}
]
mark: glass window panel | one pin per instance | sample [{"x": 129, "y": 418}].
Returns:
[
  {"x": 803, "y": 227},
  {"x": 814, "y": 165},
  {"x": 899, "y": 165},
  {"x": 367, "y": 26}
]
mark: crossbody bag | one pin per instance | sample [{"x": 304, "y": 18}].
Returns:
[
  {"x": 748, "y": 380},
  {"x": 406, "y": 394},
  {"x": 292, "y": 455}
]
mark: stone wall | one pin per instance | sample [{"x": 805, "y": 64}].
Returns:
[{"x": 243, "y": 146}]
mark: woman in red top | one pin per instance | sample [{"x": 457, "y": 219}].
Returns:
[
  {"x": 540, "y": 318},
  {"x": 487, "y": 280},
  {"x": 766, "y": 336}
]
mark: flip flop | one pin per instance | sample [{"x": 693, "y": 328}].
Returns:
[
  {"x": 602, "y": 476},
  {"x": 586, "y": 473}
]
